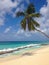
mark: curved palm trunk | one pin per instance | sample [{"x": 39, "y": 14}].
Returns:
[{"x": 42, "y": 33}]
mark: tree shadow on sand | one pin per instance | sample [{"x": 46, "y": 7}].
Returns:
[{"x": 27, "y": 54}]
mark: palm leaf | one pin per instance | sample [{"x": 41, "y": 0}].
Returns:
[
  {"x": 35, "y": 23},
  {"x": 30, "y": 25},
  {"x": 23, "y": 24},
  {"x": 30, "y": 9},
  {"x": 35, "y": 15},
  {"x": 20, "y": 14}
]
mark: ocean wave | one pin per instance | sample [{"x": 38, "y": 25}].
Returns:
[{"x": 10, "y": 50}]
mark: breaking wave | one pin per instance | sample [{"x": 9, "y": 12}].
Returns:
[{"x": 10, "y": 50}]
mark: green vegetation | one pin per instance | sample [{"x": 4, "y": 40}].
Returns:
[{"x": 28, "y": 20}]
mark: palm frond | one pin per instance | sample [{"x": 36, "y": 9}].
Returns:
[
  {"x": 30, "y": 25},
  {"x": 23, "y": 24},
  {"x": 20, "y": 14},
  {"x": 35, "y": 15},
  {"x": 30, "y": 9},
  {"x": 35, "y": 23}
]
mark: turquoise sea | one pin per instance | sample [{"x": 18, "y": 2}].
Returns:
[{"x": 19, "y": 46}]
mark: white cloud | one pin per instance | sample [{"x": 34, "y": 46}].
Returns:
[
  {"x": 44, "y": 20},
  {"x": 7, "y": 29},
  {"x": 6, "y": 6},
  {"x": 44, "y": 10},
  {"x": 28, "y": 1},
  {"x": 1, "y": 21},
  {"x": 22, "y": 33}
]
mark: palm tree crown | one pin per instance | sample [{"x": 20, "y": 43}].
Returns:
[
  {"x": 29, "y": 14},
  {"x": 28, "y": 19}
]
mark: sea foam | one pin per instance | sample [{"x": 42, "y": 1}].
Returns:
[{"x": 10, "y": 50}]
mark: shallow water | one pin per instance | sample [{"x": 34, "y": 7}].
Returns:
[{"x": 19, "y": 47}]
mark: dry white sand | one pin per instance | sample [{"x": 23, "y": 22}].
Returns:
[{"x": 38, "y": 57}]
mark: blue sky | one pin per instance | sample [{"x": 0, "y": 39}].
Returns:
[{"x": 10, "y": 29}]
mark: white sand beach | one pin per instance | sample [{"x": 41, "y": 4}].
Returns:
[{"x": 37, "y": 57}]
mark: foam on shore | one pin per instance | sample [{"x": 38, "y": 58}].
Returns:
[{"x": 10, "y": 50}]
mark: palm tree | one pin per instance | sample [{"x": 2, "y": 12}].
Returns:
[{"x": 28, "y": 20}]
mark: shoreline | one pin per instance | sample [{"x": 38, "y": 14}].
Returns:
[
  {"x": 11, "y": 50},
  {"x": 29, "y": 53},
  {"x": 6, "y": 51}
]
